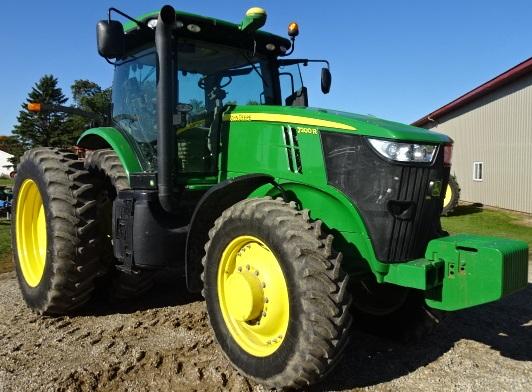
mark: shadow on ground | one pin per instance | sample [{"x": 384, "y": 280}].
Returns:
[
  {"x": 505, "y": 326},
  {"x": 169, "y": 290},
  {"x": 466, "y": 209}
]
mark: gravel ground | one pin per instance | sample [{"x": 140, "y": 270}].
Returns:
[{"x": 165, "y": 343}]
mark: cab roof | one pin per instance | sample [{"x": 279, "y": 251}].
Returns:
[{"x": 215, "y": 30}]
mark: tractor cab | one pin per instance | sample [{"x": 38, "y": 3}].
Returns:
[
  {"x": 213, "y": 67},
  {"x": 211, "y": 77}
]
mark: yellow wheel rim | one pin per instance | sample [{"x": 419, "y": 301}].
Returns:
[
  {"x": 30, "y": 232},
  {"x": 448, "y": 196},
  {"x": 253, "y": 296}
]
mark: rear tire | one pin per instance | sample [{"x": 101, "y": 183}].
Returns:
[
  {"x": 55, "y": 241},
  {"x": 452, "y": 196},
  {"x": 105, "y": 166},
  {"x": 307, "y": 302}
]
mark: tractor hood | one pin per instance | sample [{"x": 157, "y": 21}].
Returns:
[{"x": 334, "y": 120}]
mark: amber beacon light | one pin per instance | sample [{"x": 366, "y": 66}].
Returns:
[
  {"x": 293, "y": 29},
  {"x": 34, "y": 107}
]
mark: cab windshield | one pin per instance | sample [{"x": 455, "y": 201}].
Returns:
[{"x": 209, "y": 75}]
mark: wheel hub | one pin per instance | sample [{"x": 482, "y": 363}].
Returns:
[
  {"x": 448, "y": 195},
  {"x": 30, "y": 232},
  {"x": 253, "y": 296},
  {"x": 245, "y": 296}
]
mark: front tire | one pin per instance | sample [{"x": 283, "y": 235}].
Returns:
[
  {"x": 54, "y": 236},
  {"x": 276, "y": 294}
]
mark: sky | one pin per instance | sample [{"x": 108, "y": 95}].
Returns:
[{"x": 397, "y": 60}]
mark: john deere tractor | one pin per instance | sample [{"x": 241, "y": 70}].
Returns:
[{"x": 289, "y": 219}]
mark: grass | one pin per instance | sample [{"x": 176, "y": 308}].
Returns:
[
  {"x": 6, "y": 181},
  {"x": 465, "y": 219},
  {"x": 5, "y": 246},
  {"x": 489, "y": 221}
]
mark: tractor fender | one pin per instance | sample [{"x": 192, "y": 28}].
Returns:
[
  {"x": 325, "y": 203},
  {"x": 339, "y": 214},
  {"x": 216, "y": 200},
  {"x": 105, "y": 137}
]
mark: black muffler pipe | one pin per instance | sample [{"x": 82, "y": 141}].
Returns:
[{"x": 166, "y": 106}]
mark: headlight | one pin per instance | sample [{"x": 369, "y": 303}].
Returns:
[{"x": 404, "y": 152}]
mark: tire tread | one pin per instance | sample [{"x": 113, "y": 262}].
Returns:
[
  {"x": 71, "y": 211},
  {"x": 326, "y": 316}
]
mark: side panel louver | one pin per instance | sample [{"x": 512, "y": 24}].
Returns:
[{"x": 292, "y": 150}]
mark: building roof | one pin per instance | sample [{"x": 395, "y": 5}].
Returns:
[{"x": 506, "y": 77}]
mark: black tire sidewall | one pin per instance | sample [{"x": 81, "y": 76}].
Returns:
[
  {"x": 455, "y": 197},
  {"x": 259, "y": 367},
  {"x": 34, "y": 296}
]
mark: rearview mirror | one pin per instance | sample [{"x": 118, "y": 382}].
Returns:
[
  {"x": 298, "y": 98},
  {"x": 111, "y": 39},
  {"x": 326, "y": 79}
]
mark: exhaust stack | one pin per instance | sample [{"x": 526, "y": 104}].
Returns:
[{"x": 166, "y": 106}]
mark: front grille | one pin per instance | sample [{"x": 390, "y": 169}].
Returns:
[
  {"x": 410, "y": 237},
  {"x": 515, "y": 270},
  {"x": 394, "y": 199}
]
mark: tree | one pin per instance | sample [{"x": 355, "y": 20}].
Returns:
[
  {"x": 43, "y": 128},
  {"x": 57, "y": 129},
  {"x": 197, "y": 105},
  {"x": 90, "y": 97}
]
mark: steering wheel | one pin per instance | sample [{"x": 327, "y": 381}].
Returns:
[{"x": 202, "y": 82}]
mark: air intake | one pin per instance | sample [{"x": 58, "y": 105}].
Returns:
[{"x": 292, "y": 150}]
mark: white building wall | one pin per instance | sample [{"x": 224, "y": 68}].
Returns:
[
  {"x": 495, "y": 129},
  {"x": 4, "y": 156}
]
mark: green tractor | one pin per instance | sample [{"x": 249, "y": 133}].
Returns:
[{"x": 288, "y": 219}]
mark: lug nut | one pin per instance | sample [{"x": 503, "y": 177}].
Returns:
[
  {"x": 239, "y": 269},
  {"x": 266, "y": 300},
  {"x": 257, "y": 273},
  {"x": 263, "y": 314},
  {"x": 248, "y": 267}
]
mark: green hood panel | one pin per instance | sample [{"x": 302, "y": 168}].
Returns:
[{"x": 335, "y": 120}]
